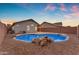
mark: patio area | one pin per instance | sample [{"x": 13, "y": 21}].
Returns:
[{"x": 13, "y": 47}]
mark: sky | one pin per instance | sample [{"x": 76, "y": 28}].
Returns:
[{"x": 68, "y": 13}]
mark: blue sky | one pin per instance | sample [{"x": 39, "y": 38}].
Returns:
[{"x": 54, "y": 12}]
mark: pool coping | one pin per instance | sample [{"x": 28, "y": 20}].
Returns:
[{"x": 39, "y": 33}]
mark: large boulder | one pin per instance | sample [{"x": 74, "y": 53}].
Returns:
[
  {"x": 36, "y": 41},
  {"x": 3, "y": 31},
  {"x": 45, "y": 41},
  {"x": 42, "y": 41}
]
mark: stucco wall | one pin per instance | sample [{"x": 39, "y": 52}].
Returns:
[
  {"x": 55, "y": 30},
  {"x": 3, "y": 31},
  {"x": 23, "y": 27},
  {"x": 67, "y": 30},
  {"x": 78, "y": 31}
]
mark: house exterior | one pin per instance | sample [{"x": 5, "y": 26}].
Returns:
[
  {"x": 27, "y": 26},
  {"x": 46, "y": 24},
  {"x": 49, "y": 27},
  {"x": 31, "y": 26}
]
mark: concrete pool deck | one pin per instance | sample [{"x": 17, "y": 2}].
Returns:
[{"x": 14, "y": 47}]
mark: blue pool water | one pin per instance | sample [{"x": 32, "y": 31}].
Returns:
[{"x": 54, "y": 37}]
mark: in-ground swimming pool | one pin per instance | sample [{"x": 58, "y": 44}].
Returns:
[{"x": 54, "y": 37}]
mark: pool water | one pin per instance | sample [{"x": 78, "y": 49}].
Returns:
[{"x": 54, "y": 37}]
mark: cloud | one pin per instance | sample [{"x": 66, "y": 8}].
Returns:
[
  {"x": 62, "y": 7},
  {"x": 8, "y": 21},
  {"x": 50, "y": 7},
  {"x": 68, "y": 22},
  {"x": 71, "y": 19},
  {"x": 72, "y": 15},
  {"x": 75, "y": 8}
]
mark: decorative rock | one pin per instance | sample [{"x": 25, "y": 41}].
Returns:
[
  {"x": 45, "y": 41},
  {"x": 42, "y": 41},
  {"x": 36, "y": 41}
]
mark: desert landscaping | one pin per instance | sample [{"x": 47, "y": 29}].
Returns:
[{"x": 11, "y": 46}]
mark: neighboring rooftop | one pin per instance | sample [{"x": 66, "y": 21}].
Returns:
[{"x": 56, "y": 24}]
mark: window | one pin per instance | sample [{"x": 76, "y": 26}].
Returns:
[
  {"x": 28, "y": 27},
  {"x": 36, "y": 28},
  {"x": 32, "y": 24}
]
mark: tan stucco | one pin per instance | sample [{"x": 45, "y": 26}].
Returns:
[
  {"x": 3, "y": 31},
  {"x": 27, "y": 26}
]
